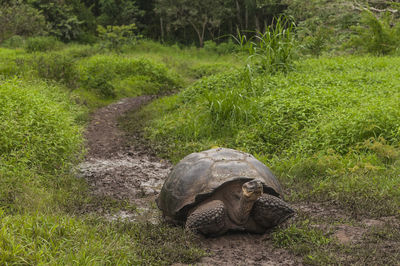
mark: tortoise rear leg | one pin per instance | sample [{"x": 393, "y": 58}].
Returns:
[
  {"x": 208, "y": 219},
  {"x": 269, "y": 211}
]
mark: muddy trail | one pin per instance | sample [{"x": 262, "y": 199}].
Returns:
[{"x": 117, "y": 169}]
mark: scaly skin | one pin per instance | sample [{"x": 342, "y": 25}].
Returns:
[
  {"x": 266, "y": 211},
  {"x": 208, "y": 219},
  {"x": 269, "y": 211}
]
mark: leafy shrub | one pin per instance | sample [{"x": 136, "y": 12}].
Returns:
[
  {"x": 15, "y": 41},
  {"x": 56, "y": 66},
  {"x": 272, "y": 50},
  {"x": 20, "y": 19},
  {"x": 114, "y": 37},
  {"x": 204, "y": 70},
  {"x": 222, "y": 48},
  {"x": 37, "y": 128},
  {"x": 10, "y": 61},
  {"x": 42, "y": 44},
  {"x": 228, "y": 47},
  {"x": 38, "y": 140},
  {"x": 210, "y": 46},
  {"x": 81, "y": 51},
  {"x": 314, "y": 40},
  {"x": 135, "y": 85},
  {"x": 63, "y": 22},
  {"x": 376, "y": 35},
  {"x": 323, "y": 24},
  {"x": 103, "y": 73}
]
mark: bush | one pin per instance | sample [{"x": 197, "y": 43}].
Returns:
[
  {"x": 272, "y": 50},
  {"x": 42, "y": 44},
  {"x": 10, "y": 61},
  {"x": 63, "y": 22},
  {"x": 37, "y": 127},
  {"x": 222, "y": 48},
  {"x": 315, "y": 40},
  {"x": 203, "y": 70},
  {"x": 323, "y": 24},
  {"x": 38, "y": 140},
  {"x": 376, "y": 35},
  {"x": 104, "y": 73},
  {"x": 15, "y": 41},
  {"x": 20, "y": 19},
  {"x": 57, "y": 66},
  {"x": 114, "y": 37}
]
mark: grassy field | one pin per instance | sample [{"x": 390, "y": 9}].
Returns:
[
  {"x": 329, "y": 129},
  {"x": 46, "y": 97}
]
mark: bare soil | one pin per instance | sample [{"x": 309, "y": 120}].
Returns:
[{"x": 117, "y": 169}]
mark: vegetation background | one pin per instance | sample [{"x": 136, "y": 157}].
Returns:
[{"x": 311, "y": 88}]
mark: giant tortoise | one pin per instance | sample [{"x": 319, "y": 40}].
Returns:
[{"x": 223, "y": 189}]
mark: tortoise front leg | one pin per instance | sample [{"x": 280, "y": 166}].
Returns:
[
  {"x": 269, "y": 211},
  {"x": 208, "y": 219}
]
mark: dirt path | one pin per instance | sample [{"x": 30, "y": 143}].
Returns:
[{"x": 116, "y": 169}]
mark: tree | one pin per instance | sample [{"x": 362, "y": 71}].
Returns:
[
  {"x": 118, "y": 12},
  {"x": 200, "y": 15},
  {"x": 59, "y": 14},
  {"x": 20, "y": 19}
]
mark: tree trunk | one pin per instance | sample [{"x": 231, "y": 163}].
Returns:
[
  {"x": 162, "y": 29},
  {"x": 246, "y": 18},
  {"x": 257, "y": 22},
  {"x": 200, "y": 35},
  {"x": 238, "y": 15}
]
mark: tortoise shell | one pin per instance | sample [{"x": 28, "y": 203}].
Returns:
[{"x": 198, "y": 175}]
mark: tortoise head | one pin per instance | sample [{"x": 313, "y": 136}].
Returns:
[{"x": 251, "y": 190}]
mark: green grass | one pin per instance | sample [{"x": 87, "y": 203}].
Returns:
[
  {"x": 189, "y": 62},
  {"x": 64, "y": 240},
  {"x": 314, "y": 240},
  {"x": 40, "y": 139},
  {"x": 113, "y": 75},
  {"x": 99, "y": 77},
  {"x": 305, "y": 240},
  {"x": 45, "y": 210},
  {"x": 330, "y": 130}
]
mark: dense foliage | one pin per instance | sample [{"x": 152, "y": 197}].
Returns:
[{"x": 321, "y": 25}]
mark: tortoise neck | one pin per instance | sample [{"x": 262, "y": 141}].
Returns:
[{"x": 243, "y": 211}]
